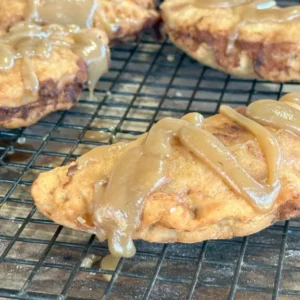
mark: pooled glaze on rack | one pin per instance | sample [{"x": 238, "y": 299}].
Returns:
[
  {"x": 26, "y": 40},
  {"x": 252, "y": 11},
  {"x": 64, "y": 12},
  {"x": 109, "y": 262},
  {"x": 142, "y": 168}
]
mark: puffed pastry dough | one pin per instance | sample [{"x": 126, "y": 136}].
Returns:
[
  {"x": 267, "y": 50},
  {"x": 195, "y": 204}
]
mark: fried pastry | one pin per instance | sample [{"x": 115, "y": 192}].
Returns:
[
  {"x": 120, "y": 19},
  {"x": 186, "y": 181},
  {"x": 44, "y": 68},
  {"x": 245, "y": 38}
]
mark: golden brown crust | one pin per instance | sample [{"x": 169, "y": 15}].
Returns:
[
  {"x": 52, "y": 97},
  {"x": 203, "y": 206},
  {"x": 137, "y": 15},
  {"x": 132, "y": 16},
  {"x": 11, "y": 12},
  {"x": 262, "y": 50}
]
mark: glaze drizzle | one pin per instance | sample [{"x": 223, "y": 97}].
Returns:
[{"x": 143, "y": 166}]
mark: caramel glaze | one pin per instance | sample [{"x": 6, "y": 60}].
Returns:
[
  {"x": 291, "y": 98},
  {"x": 64, "y": 12},
  {"x": 79, "y": 12},
  {"x": 219, "y": 3},
  {"x": 27, "y": 40},
  {"x": 142, "y": 167},
  {"x": 109, "y": 262},
  {"x": 251, "y": 11}
]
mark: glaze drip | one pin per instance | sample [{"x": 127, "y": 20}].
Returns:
[
  {"x": 27, "y": 40},
  {"x": 138, "y": 172}
]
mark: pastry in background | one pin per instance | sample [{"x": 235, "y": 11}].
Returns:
[
  {"x": 185, "y": 181},
  {"x": 45, "y": 68},
  {"x": 245, "y": 38},
  {"x": 120, "y": 19}
]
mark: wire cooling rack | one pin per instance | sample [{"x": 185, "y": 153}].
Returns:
[{"x": 148, "y": 80}]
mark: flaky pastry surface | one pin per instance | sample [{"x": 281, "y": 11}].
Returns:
[
  {"x": 268, "y": 50},
  {"x": 195, "y": 205},
  {"x": 131, "y": 16}
]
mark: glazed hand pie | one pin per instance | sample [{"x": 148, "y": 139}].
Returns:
[
  {"x": 61, "y": 60},
  {"x": 245, "y": 38},
  {"x": 186, "y": 180},
  {"x": 44, "y": 69},
  {"x": 120, "y": 19}
]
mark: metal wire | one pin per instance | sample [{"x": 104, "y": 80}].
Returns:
[{"x": 40, "y": 260}]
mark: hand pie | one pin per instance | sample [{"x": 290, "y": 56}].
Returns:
[
  {"x": 245, "y": 38},
  {"x": 44, "y": 68},
  {"x": 120, "y": 19},
  {"x": 186, "y": 181}
]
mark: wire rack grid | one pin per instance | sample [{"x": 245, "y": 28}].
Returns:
[{"x": 148, "y": 80}]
